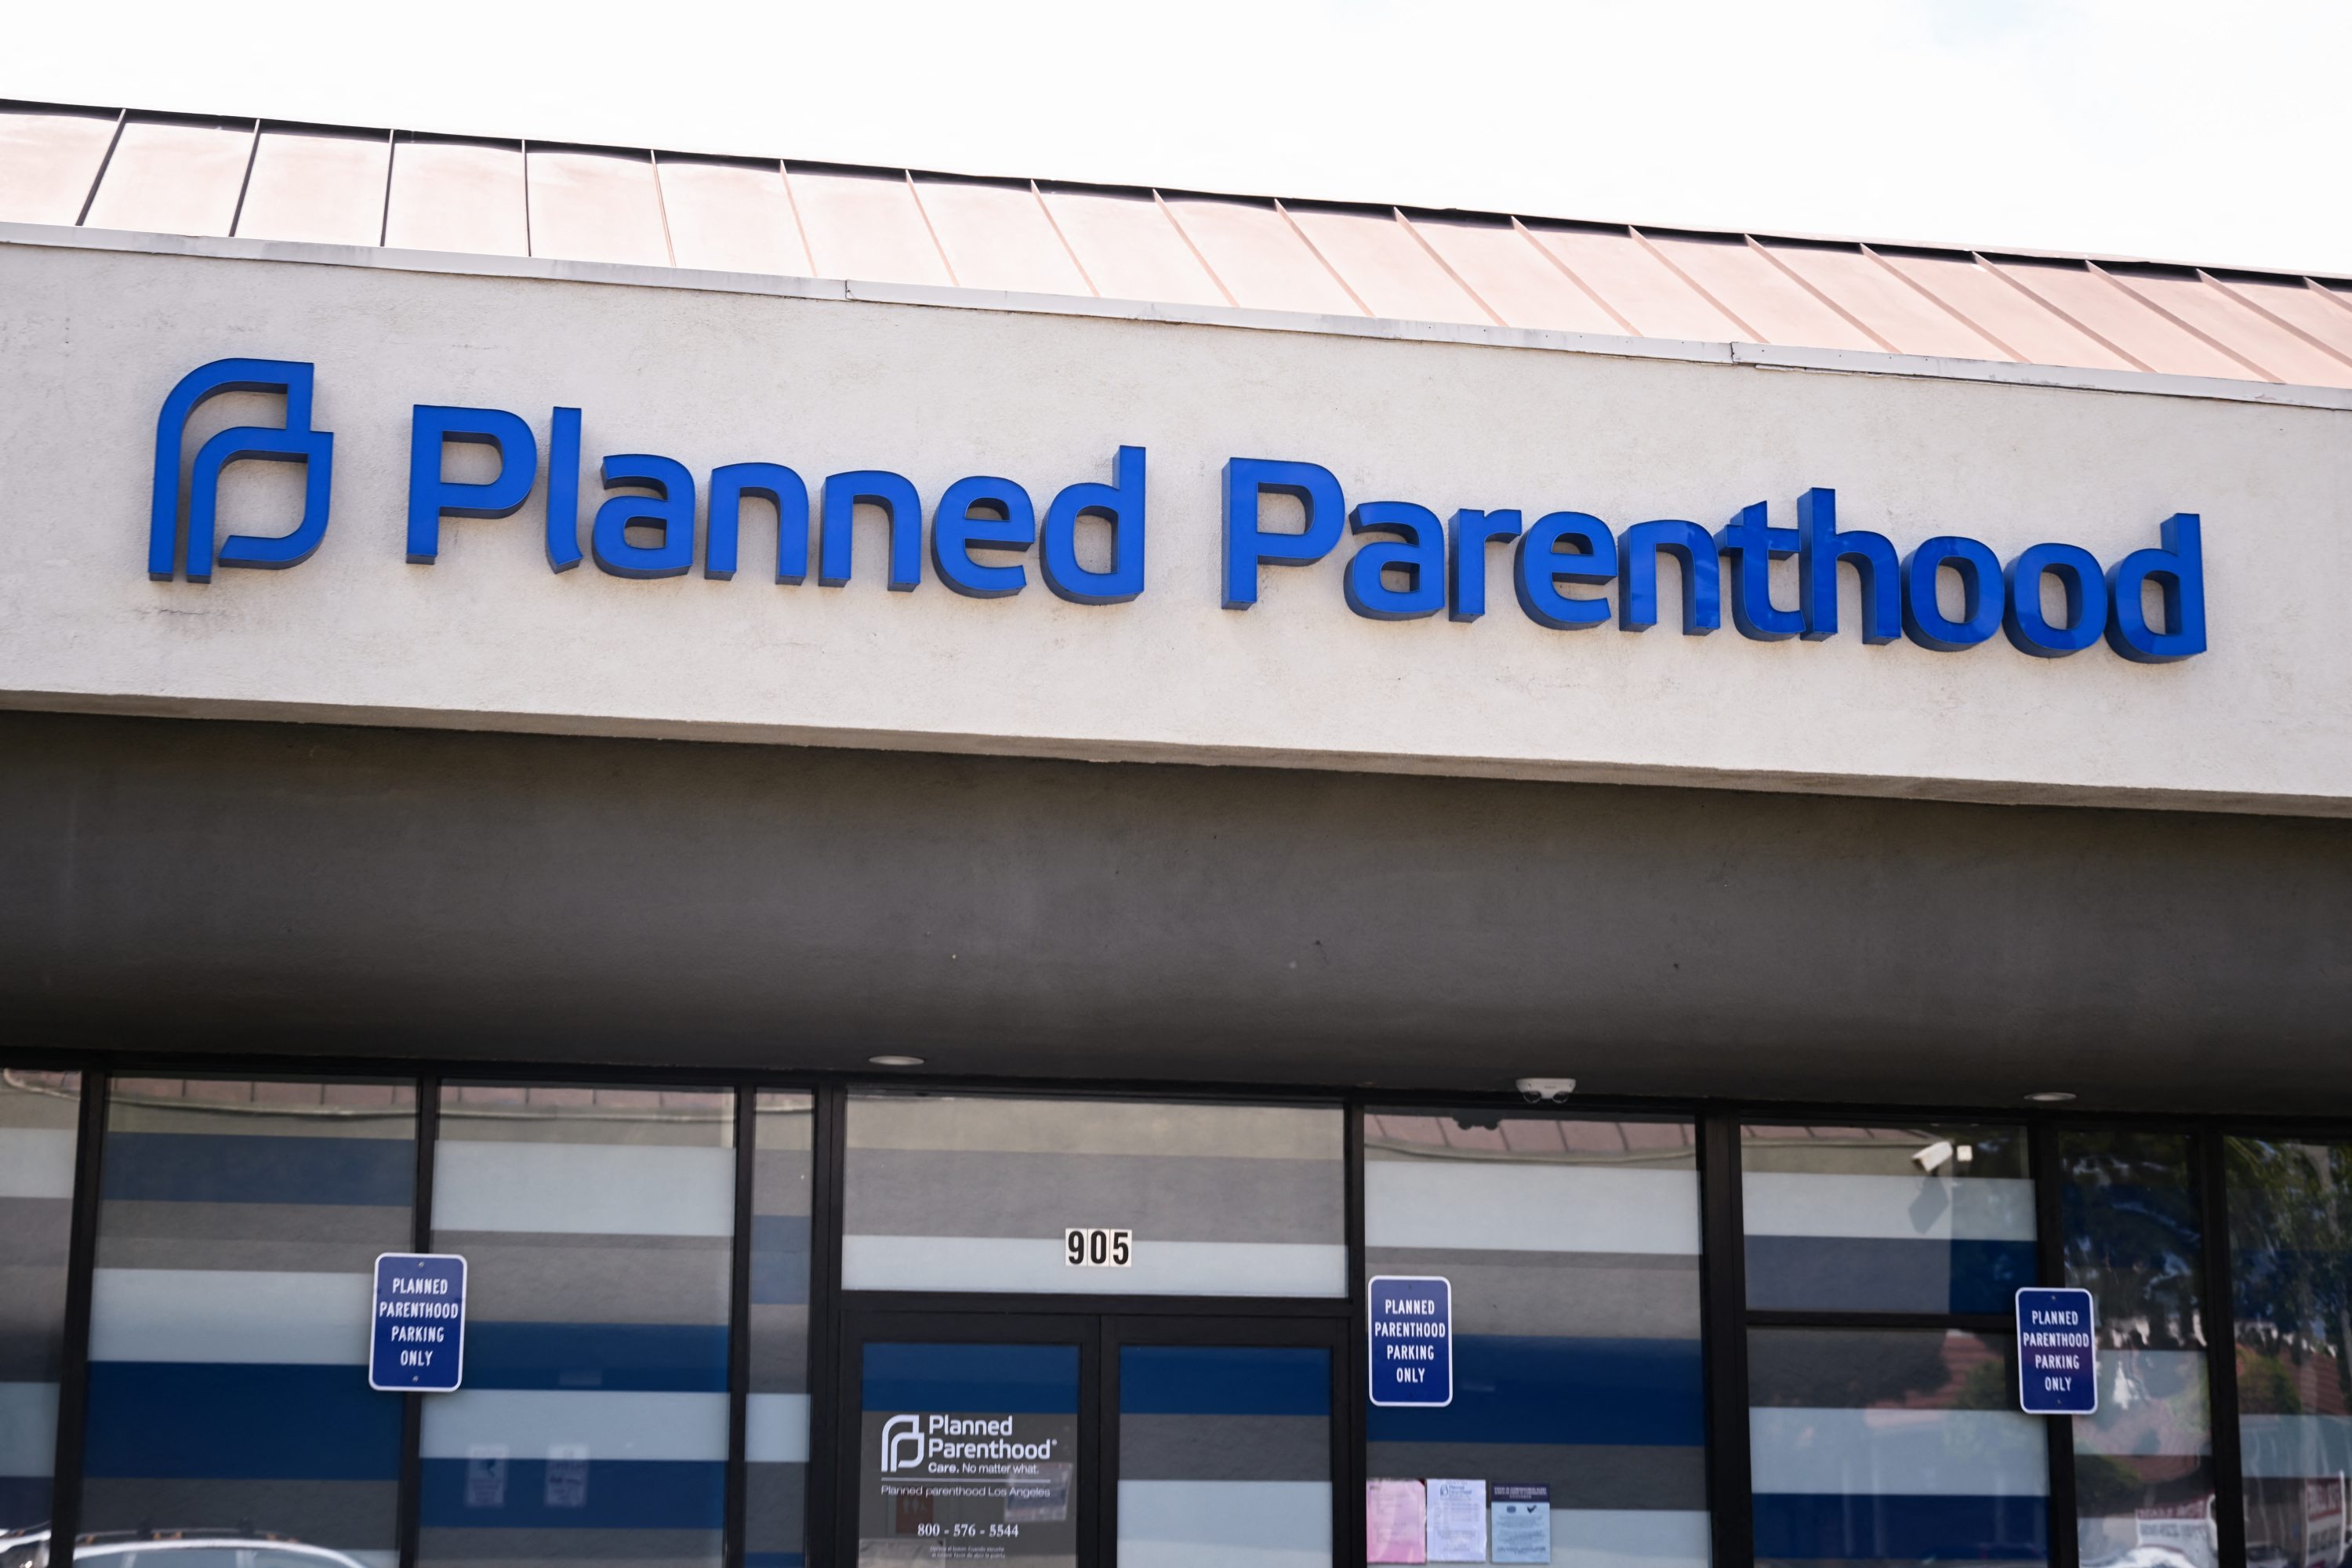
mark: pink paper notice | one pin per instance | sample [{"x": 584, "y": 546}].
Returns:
[{"x": 1395, "y": 1523}]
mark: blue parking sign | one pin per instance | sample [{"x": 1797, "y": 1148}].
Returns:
[
  {"x": 2057, "y": 1352},
  {"x": 418, "y": 1342},
  {"x": 1412, "y": 1340}
]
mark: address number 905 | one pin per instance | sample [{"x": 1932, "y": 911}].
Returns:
[{"x": 1096, "y": 1248}]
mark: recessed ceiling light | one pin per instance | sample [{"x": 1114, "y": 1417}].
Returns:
[
  {"x": 917, "y": 1061},
  {"x": 2051, "y": 1096}
]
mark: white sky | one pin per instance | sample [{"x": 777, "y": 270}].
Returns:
[{"x": 2193, "y": 131}]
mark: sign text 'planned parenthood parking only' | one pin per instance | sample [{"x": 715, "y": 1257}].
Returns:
[
  {"x": 419, "y": 1343},
  {"x": 1412, "y": 1341},
  {"x": 2057, "y": 1353}
]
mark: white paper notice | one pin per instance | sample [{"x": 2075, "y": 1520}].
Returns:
[
  {"x": 1457, "y": 1521},
  {"x": 1522, "y": 1522}
]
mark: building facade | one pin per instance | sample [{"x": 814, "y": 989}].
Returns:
[{"x": 1097, "y": 876}]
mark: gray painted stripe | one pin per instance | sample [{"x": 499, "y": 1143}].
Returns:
[
  {"x": 975, "y": 1122},
  {"x": 1579, "y": 1475},
  {"x": 34, "y": 1231},
  {"x": 1592, "y": 1294},
  {"x": 31, "y": 1324},
  {"x": 779, "y": 1349},
  {"x": 1228, "y": 1523},
  {"x": 582, "y": 1279},
  {"x": 349, "y": 1515},
  {"x": 779, "y": 1181},
  {"x": 337, "y": 1238},
  {"x": 775, "y": 1507},
  {"x": 912, "y": 1192},
  {"x": 503, "y": 1548},
  {"x": 1224, "y": 1447}
]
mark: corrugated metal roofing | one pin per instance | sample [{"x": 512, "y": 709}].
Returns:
[{"x": 187, "y": 174}]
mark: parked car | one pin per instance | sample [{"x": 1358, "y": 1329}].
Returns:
[{"x": 172, "y": 1549}]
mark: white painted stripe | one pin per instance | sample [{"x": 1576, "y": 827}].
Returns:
[
  {"x": 1227, "y": 1524},
  {"x": 2295, "y": 1447},
  {"x": 528, "y": 1422},
  {"x": 1530, "y": 1208},
  {"x": 36, "y": 1163},
  {"x": 1888, "y": 1208},
  {"x": 1614, "y": 1537},
  {"x": 225, "y": 1315},
  {"x": 584, "y": 1189},
  {"x": 988, "y": 1263},
  {"x": 28, "y": 1428},
  {"x": 1903, "y": 1453},
  {"x": 776, "y": 1429}
]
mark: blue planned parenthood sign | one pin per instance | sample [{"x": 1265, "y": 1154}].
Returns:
[
  {"x": 418, "y": 1344},
  {"x": 1412, "y": 1340},
  {"x": 2057, "y": 1352}
]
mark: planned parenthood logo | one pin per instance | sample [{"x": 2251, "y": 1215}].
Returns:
[
  {"x": 915, "y": 1442},
  {"x": 902, "y": 1444},
  {"x": 294, "y": 442}
]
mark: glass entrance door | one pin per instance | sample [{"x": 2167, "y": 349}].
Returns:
[{"x": 1090, "y": 1441}]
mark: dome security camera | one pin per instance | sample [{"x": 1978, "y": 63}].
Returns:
[{"x": 1546, "y": 1090}]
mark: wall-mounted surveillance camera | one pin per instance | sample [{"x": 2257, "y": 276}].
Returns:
[
  {"x": 1934, "y": 1157},
  {"x": 1546, "y": 1090}
]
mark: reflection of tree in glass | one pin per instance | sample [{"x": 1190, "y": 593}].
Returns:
[
  {"x": 2291, "y": 1273},
  {"x": 2132, "y": 1236}
]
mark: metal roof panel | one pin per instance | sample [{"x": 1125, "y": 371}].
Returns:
[
  {"x": 1259, "y": 257},
  {"x": 2093, "y": 302},
  {"x": 1385, "y": 266},
  {"x": 458, "y": 195},
  {"x": 2212, "y": 312},
  {"x": 1129, "y": 247},
  {"x": 1513, "y": 275},
  {"x": 1909, "y": 320},
  {"x": 173, "y": 176},
  {"x": 1763, "y": 296},
  {"x": 1636, "y": 284},
  {"x": 593, "y": 205},
  {"x": 865, "y": 224},
  {"x": 2000, "y": 309},
  {"x": 49, "y": 162},
  {"x": 998, "y": 236},
  {"x": 731, "y": 218},
  {"x": 316, "y": 186}
]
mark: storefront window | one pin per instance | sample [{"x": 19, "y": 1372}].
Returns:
[
  {"x": 39, "y": 1113},
  {"x": 970, "y": 1193},
  {"x": 2290, "y": 1273},
  {"x": 1224, "y": 1456},
  {"x": 598, "y": 1228},
  {"x": 237, "y": 1232},
  {"x": 1887, "y": 1219},
  {"x": 2142, "y": 1465},
  {"x": 1571, "y": 1248},
  {"x": 1893, "y": 1445},
  {"x": 776, "y": 1427}
]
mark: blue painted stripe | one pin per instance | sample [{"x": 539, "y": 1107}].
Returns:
[
  {"x": 239, "y": 1168},
  {"x": 1023, "y": 1379},
  {"x": 684, "y": 1358},
  {"x": 1222, "y": 1380},
  {"x": 620, "y": 1494},
  {"x": 1511, "y": 1389},
  {"x": 780, "y": 1259},
  {"x": 1879, "y": 1274},
  {"x": 24, "y": 1500},
  {"x": 222, "y": 1421},
  {"x": 1919, "y": 1529}
]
